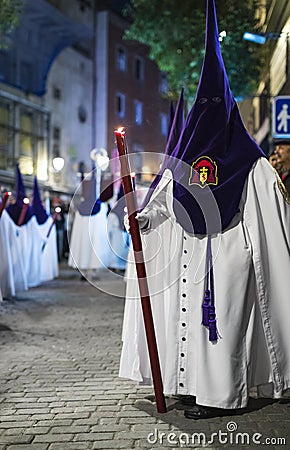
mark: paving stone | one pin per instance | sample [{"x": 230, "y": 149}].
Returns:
[
  {"x": 27, "y": 447},
  {"x": 113, "y": 444},
  {"x": 17, "y": 439},
  {"x": 17, "y": 424},
  {"x": 94, "y": 436},
  {"x": 71, "y": 446},
  {"x": 54, "y": 422},
  {"x": 70, "y": 429},
  {"x": 53, "y": 438}
]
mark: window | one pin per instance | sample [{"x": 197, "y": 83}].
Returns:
[
  {"x": 4, "y": 134},
  {"x": 121, "y": 59},
  {"x": 138, "y": 112},
  {"x": 139, "y": 68},
  {"x": 163, "y": 84},
  {"x": 163, "y": 124},
  {"x": 136, "y": 160},
  {"x": 26, "y": 142},
  {"x": 56, "y": 133},
  {"x": 120, "y": 105},
  {"x": 23, "y": 136},
  {"x": 56, "y": 93}
]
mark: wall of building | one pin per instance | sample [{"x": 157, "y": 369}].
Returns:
[
  {"x": 81, "y": 86},
  {"x": 69, "y": 98}
]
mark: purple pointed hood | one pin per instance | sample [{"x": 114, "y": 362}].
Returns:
[
  {"x": 14, "y": 210},
  {"x": 37, "y": 207},
  {"x": 215, "y": 152}
]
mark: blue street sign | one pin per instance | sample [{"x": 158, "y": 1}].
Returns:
[{"x": 281, "y": 117}]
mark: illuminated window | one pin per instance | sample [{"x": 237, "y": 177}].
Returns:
[
  {"x": 23, "y": 137},
  {"x": 120, "y": 105},
  {"x": 138, "y": 112},
  {"x": 26, "y": 143},
  {"x": 163, "y": 124},
  {"x": 121, "y": 59},
  {"x": 163, "y": 84}
]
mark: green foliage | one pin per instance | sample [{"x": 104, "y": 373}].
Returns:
[
  {"x": 175, "y": 33},
  {"x": 9, "y": 14}
]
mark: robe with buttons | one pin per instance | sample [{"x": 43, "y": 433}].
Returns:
[{"x": 251, "y": 263}]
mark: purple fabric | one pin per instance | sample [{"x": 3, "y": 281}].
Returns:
[
  {"x": 14, "y": 210},
  {"x": 213, "y": 129},
  {"x": 37, "y": 207}
]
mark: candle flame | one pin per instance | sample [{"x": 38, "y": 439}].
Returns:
[
  {"x": 58, "y": 209},
  {"x": 120, "y": 130},
  {"x": 26, "y": 201}
]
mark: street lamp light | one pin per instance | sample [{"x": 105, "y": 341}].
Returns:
[{"x": 58, "y": 163}]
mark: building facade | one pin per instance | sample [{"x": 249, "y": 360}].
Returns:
[
  {"x": 257, "y": 111},
  {"x": 67, "y": 80}
]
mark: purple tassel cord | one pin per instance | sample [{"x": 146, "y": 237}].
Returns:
[
  {"x": 213, "y": 335},
  {"x": 208, "y": 307},
  {"x": 205, "y": 308}
]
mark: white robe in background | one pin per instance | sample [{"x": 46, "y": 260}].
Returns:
[
  {"x": 30, "y": 241},
  {"x": 13, "y": 276},
  {"x": 252, "y": 285},
  {"x": 48, "y": 260},
  {"x": 89, "y": 246},
  {"x": 117, "y": 242}
]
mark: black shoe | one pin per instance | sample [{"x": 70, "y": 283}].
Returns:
[
  {"x": 188, "y": 400},
  {"x": 206, "y": 412}
]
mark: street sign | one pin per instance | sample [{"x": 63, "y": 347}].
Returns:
[{"x": 281, "y": 117}]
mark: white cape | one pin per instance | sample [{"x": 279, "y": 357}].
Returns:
[{"x": 252, "y": 285}]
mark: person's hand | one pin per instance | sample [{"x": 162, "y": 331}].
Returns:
[
  {"x": 143, "y": 221},
  {"x": 126, "y": 223}
]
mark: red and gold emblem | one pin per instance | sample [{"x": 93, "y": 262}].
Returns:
[{"x": 203, "y": 172}]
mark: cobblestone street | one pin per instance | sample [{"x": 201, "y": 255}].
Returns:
[{"x": 59, "y": 389}]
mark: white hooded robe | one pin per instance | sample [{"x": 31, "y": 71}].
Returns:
[{"x": 251, "y": 263}]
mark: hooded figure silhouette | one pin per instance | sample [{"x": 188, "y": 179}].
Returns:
[{"x": 216, "y": 240}]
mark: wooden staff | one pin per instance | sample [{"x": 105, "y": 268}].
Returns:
[
  {"x": 4, "y": 201},
  {"x": 141, "y": 270},
  {"x": 23, "y": 211},
  {"x": 55, "y": 216}
]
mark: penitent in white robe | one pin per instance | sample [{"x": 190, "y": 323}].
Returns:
[
  {"x": 48, "y": 260},
  {"x": 89, "y": 246},
  {"x": 13, "y": 276},
  {"x": 252, "y": 285}
]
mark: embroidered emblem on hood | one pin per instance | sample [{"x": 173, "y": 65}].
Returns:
[{"x": 203, "y": 172}]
